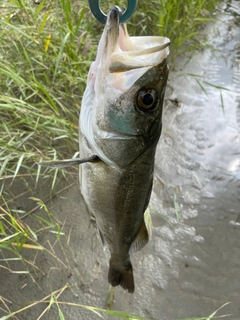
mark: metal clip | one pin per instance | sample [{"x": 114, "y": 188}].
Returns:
[{"x": 101, "y": 17}]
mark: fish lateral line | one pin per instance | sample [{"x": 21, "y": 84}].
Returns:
[{"x": 60, "y": 164}]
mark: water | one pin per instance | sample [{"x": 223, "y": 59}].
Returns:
[{"x": 192, "y": 265}]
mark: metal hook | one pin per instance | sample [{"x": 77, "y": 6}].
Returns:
[{"x": 101, "y": 17}]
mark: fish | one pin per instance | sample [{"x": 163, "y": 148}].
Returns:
[{"x": 120, "y": 125}]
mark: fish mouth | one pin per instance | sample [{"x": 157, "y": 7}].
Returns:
[
  {"x": 127, "y": 58},
  {"x": 128, "y": 53}
]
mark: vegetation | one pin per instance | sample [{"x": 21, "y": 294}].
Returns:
[
  {"x": 45, "y": 54},
  {"x": 53, "y": 299}
]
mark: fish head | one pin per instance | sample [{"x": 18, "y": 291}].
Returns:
[{"x": 122, "y": 105}]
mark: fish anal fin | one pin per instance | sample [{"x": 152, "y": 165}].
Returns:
[
  {"x": 144, "y": 234},
  {"x": 121, "y": 276}
]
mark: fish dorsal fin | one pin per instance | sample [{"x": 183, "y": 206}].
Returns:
[
  {"x": 59, "y": 164},
  {"x": 144, "y": 234}
]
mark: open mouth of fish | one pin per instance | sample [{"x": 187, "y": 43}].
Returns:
[{"x": 119, "y": 53}]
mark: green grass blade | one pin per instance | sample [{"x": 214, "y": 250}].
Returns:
[{"x": 60, "y": 55}]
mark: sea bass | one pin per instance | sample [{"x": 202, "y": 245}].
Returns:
[{"x": 120, "y": 125}]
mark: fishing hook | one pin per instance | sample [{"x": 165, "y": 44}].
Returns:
[{"x": 102, "y": 17}]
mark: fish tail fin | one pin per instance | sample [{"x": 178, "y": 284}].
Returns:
[{"x": 122, "y": 276}]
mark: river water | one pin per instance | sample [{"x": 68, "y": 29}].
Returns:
[{"x": 191, "y": 267}]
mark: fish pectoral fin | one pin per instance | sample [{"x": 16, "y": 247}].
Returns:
[
  {"x": 144, "y": 234},
  {"x": 59, "y": 164}
]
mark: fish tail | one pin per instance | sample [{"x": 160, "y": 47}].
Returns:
[{"x": 122, "y": 276}]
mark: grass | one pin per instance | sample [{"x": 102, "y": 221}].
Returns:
[
  {"x": 204, "y": 84},
  {"x": 45, "y": 54},
  {"x": 42, "y": 82},
  {"x": 53, "y": 300}
]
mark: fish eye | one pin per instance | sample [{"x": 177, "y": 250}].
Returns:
[{"x": 146, "y": 99}]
